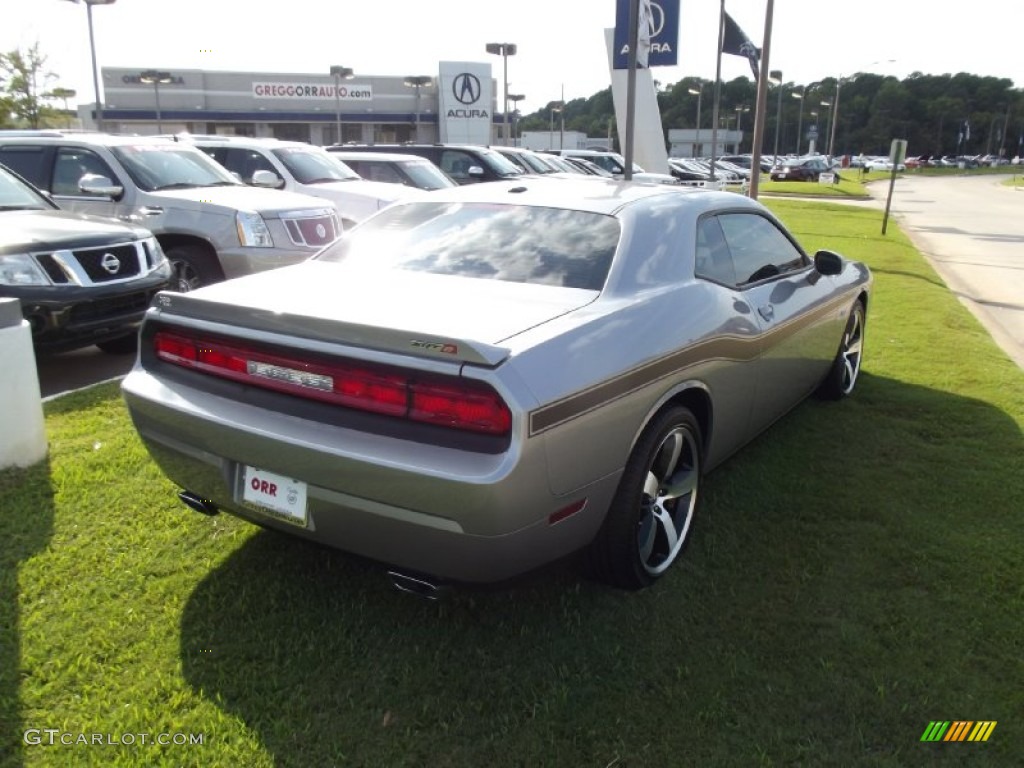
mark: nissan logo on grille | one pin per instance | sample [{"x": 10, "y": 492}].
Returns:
[
  {"x": 110, "y": 263},
  {"x": 466, "y": 88}
]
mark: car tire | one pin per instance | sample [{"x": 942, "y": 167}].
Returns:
[
  {"x": 192, "y": 268},
  {"x": 122, "y": 345},
  {"x": 845, "y": 371},
  {"x": 647, "y": 523}
]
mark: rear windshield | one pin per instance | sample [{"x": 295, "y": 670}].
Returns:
[{"x": 518, "y": 243}]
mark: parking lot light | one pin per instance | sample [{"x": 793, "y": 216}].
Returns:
[
  {"x": 504, "y": 50},
  {"x": 417, "y": 82},
  {"x": 339, "y": 73},
  {"x": 156, "y": 79},
  {"x": 92, "y": 51}
]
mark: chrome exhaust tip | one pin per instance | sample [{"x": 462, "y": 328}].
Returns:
[
  {"x": 198, "y": 503},
  {"x": 417, "y": 585}
]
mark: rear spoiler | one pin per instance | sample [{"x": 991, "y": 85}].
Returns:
[{"x": 211, "y": 316}]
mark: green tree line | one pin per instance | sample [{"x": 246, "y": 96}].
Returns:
[{"x": 929, "y": 111}]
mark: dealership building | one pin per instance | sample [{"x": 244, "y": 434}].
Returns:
[{"x": 457, "y": 104}]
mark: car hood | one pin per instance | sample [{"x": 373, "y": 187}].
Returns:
[
  {"x": 384, "y": 194},
  {"x": 50, "y": 230},
  {"x": 268, "y": 202},
  {"x": 442, "y": 316}
]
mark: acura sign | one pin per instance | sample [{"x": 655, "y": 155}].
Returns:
[{"x": 466, "y": 102}]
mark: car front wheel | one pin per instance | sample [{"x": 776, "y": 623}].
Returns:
[
  {"x": 842, "y": 378},
  {"x": 192, "y": 268},
  {"x": 649, "y": 519}
]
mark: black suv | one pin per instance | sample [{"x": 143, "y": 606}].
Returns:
[
  {"x": 465, "y": 163},
  {"x": 80, "y": 279}
]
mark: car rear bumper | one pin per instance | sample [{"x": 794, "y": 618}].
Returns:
[{"x": 447, "y": 513}]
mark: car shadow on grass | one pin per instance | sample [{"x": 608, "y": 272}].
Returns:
[
  {"x": 20, "y": 539},
  {"x": 850, "y": 578}
]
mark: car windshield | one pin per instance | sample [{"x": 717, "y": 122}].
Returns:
[
  {"x": 15, "y": 195},
  {"x": 314, "y": 166},
  {"x": 426, "y": 175},
  {"x": 500, "y": 164},
  {"x": 171, "y": 166},
  {"x": 517, "y": 243}
]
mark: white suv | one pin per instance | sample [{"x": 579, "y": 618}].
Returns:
[{"x": 298, "y": 167}]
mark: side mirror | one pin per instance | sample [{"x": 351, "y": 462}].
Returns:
[
  {"x": 828, "y": 263},
  {"x": 475, "y": 170},
  {"x": 267, "y": 179},
  {"x": 94, "y": 184}
]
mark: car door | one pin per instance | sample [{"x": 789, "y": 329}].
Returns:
[
  {"x": 793, "y": 305},
  {"x": 70, "y": 165}
]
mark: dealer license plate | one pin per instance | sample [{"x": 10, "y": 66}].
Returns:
[{"x": 281, "y": 496}]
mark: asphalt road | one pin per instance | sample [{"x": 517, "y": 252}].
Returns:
[{"x": 971, "y": 228}]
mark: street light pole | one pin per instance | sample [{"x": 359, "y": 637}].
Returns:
[
  {"x": 835, "y": 105},
  {"x": 417, "y": 82},
  {"x": 339, "y": 73},
  {"x": 92, "y": 51},
  {"x": 155, "y": 78},
  {"x": 65, "y": 93},
  {"x": 776, "y": 75},
  {"x": 515, "y": 98},
  {"x": 551, "y": 126},
  {"x": 698, "y": 93},
  {"x": 504, "y": 50}
]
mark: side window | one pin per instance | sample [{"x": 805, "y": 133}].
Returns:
[
  {"x": 712, "y": 260},
  {"x": 72, "y": 164},
  {"x": 245, "y": 162},
  {"x": 29, "y": 162},
  {"x": 456, "y": 164},
  {"x": 759, "y": 249},
  {"x": 380, "y": 172}
]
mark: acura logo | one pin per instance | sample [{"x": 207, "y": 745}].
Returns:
[
  {"x": 110, "y": 263},
  {"x": 466, "y": 88},
  {"x": 657, "y": 20}
]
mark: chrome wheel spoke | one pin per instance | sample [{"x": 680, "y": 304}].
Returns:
[
  {"x": 667, "y": 526},
  {"x": 684, "y": 482}
]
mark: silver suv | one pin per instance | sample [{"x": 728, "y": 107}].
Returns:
[{"x": 210, "y": 225}]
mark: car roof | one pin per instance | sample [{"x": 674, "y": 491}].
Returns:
[
  {"x": 379, "y": 157},
  {"x": 84, "y": 137},
  {"x": 604, "y": 196}
]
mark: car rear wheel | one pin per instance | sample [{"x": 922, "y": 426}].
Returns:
[
  {"x": 842, "y": 378},
  {"x": 192, "y": 268},
  {"x": 648, "y": 522}
]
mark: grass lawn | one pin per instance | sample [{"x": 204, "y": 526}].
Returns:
[
  {"x": 848, "y": 187},
  {"x": 853, "y": 574}
]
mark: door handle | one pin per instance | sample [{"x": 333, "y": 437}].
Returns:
[
  {"x": 151, "y": 210},
  {"x": 767, "y": 311}
]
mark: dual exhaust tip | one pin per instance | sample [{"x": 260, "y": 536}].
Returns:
[{"x": 420, "y": 586}]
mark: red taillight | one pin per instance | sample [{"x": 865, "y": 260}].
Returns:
[{"x": 444, "y": 401}]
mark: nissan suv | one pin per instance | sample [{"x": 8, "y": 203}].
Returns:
[
  {"x": 298, "y": 167},
  {"x": 79, "y": 280},
  {"x": 210, "y": 225},
  {"x": 464, "y": 163}
]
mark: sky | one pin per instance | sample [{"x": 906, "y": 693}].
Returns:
[{"x": 560, "y": 42}]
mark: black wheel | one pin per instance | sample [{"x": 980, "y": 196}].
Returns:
[
  {"x": 192, "y": 267},
  {"x": 122, "y": 345},
  {"x": 842, "y": 378},
  {"x": 649, "y": 519}
]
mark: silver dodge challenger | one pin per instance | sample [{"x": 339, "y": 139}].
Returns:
[{"x": 469, "y": 387}]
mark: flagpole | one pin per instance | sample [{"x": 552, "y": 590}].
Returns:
[
  {"x": 634, "y": 39},
  {"x": 718, "y": 89},
  {"x": 762, "y": 99}
]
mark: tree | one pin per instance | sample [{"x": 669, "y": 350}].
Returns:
[{"x": 25, "y": 79}]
